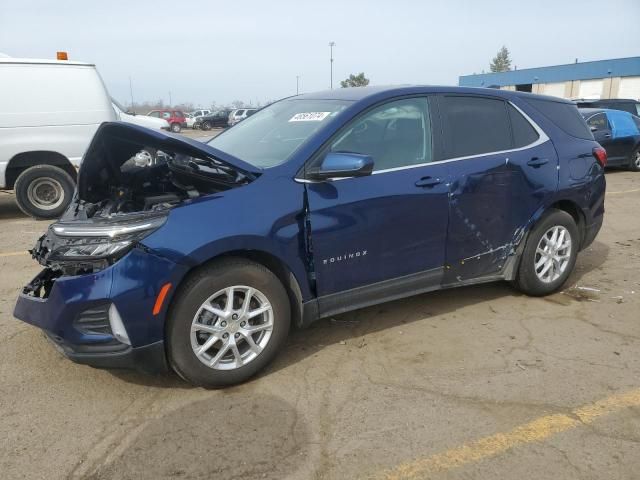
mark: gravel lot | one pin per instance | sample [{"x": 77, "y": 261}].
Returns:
[{"x": 473, "y": 383}]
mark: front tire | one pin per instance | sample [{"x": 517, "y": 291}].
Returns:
[
  {"x": 175, "y": 127},
  {"x": 229, "y": 320},
  {"x": 549, "y": 255},
  {"x": 206, "y": 126},
  {"x": 44, "y": 191}
]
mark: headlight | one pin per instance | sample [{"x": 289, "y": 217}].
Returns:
[{"x": 94, "y": 241}]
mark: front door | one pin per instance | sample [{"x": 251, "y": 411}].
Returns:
[{"x": 386, "y": 230}]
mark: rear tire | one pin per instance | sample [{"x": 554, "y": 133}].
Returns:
[
  {"x": 206, "y": 126},
  {"x": 44, "y": 191},
  {"x": 233, "y": 354},
  {"x": 549, "y": 255},
  {"x": 634, "y": 162},
  {"x": 175, "y": 127}
]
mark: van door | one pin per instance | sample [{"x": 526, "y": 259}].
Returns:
[{"x": 502, "y": 169}]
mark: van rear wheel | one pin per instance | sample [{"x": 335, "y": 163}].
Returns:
[
  {"x": 44, "y": 191},
  {"x": 227, "y": 322}
]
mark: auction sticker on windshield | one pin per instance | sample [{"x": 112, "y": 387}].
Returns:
[{"x": 309, "y": 117}]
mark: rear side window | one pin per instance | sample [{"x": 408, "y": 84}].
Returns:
[
  {"x": 475, "y": 125},
  {"x": 523, "y": 132},
  {"x": 564, "y": 115},
  {"x": 599, "y": 122}
]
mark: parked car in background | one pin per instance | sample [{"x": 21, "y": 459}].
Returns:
[
  {"x": 624, "y": 104},
  {"x": 190, "y": 119},
  {"x": 374, "y": 194},
  {"x": 240, "y": 114},
  {"x": 49, "y": 111},
  {"x": 176, "y": 118},
  {"x": 200, "y": 113},
  {"x": 219, "y": 119},
  {"x": 143, "y": 120},
  {"x": 618, "y": 132}
]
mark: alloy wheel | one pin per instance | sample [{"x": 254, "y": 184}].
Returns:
[
  {"x": 553, "y": 254},
  {"x": 232, "y": 327}
]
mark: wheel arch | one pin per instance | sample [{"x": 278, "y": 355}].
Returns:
[
  {"x": 24, "y": 160},
  {"x": 270, "y": 261},
  {"x": 576, "y": 213},
  {"x": 565, "y": 205}
]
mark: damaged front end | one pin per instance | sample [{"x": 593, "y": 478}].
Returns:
[{"x": 130, "y": 179}]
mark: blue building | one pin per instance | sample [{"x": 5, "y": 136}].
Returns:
[{"x": 616, "y": 78}]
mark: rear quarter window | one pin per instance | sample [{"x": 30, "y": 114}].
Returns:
[
  {"x": 564, "y": 115},
  {"x": 523, "y": 132}
]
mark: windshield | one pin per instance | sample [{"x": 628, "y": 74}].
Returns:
[{"x": 269, "y": 137}]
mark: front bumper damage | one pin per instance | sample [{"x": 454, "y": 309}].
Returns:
[{"x": 104, "y": 318}]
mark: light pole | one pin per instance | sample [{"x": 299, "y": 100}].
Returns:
[
  {"x": 331, "y": 45},
  {"x": 297, "y": 84},
  {"x": 131, "y": 92},
  {"x": 170, "y": 103}
]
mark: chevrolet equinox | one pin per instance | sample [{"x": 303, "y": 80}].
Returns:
[{"x": 176, "y": 254}]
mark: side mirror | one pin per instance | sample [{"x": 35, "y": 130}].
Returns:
[
  {"x": 130, "y": 112},
  {"x": 342, "y": 165}
]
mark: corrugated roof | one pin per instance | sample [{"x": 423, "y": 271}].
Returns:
[{"x": 617, "y": 67}]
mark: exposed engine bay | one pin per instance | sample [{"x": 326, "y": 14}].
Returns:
[
  {"x": 129, "y": 180},
  {"x": 126, "y": 171}
]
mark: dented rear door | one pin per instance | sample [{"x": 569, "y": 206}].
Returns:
[{"x": 502, "y": 170}]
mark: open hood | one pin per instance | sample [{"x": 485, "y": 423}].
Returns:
[{"x": 116, "y": 142}]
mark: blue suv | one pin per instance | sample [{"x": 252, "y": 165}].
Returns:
[{"x": 199, "y": 257}]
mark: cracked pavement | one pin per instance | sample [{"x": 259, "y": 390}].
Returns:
[{"x": 356, "y": 395}]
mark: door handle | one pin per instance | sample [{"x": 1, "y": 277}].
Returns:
[
  {"x": 536, "y": 162},
  {"x": 428, "y": 182},
  {"x": 607, "y": 135}
]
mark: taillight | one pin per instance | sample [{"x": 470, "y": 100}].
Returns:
[{"x": 601, "y": 155}]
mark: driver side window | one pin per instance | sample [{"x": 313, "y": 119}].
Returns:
[{"x": 396, "y": 134}]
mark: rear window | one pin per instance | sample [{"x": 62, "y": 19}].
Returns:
[
  {"x": 475, "y": 125},
  {"x": 564, "y": 115}
]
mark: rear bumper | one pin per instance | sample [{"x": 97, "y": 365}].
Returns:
[{"x": 591, "y": 232}]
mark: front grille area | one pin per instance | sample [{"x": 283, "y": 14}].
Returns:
[{"x": 94, "y": 321}]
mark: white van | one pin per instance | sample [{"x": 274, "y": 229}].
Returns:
[{"x": 49, "y": 111}]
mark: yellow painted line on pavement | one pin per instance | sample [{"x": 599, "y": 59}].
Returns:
[
  {"x": 624, "y": 191},
  {"x": 493, "y": 445},
  {"x": 13, "y": 254}
]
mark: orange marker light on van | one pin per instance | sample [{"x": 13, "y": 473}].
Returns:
[
  {"x": 161, "y": 296},
  {"x": 62, "y": 56}
]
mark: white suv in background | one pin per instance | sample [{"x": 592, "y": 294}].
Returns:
[
  {"x": 142, "y": 120},
  {"x": 200, "y": 113},
  {"x": 240, "y": 114}
]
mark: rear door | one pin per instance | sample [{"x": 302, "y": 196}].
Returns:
[
  {"x": 385, "y": 231},
  {"x": 601, "y": 129},
  {"x": 502, "y": 168}
]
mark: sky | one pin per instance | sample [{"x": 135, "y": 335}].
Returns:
[{"x": 221, "y": 51}]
